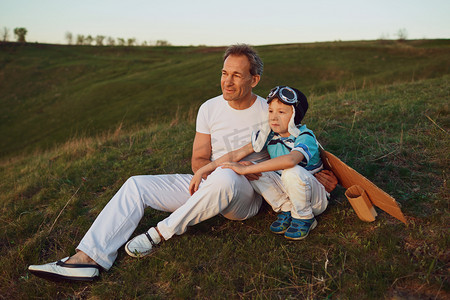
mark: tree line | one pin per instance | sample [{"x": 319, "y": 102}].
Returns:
[
  {"x": 19, "y": 33},
  {"x": 80, "y": 39},
  {"x": 101, "y": 40}
]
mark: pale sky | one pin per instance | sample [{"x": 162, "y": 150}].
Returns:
[{"x": 221, "y": 23}]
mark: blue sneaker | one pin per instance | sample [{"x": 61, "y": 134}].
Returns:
[
  {"x": 299, "y": 228},
  {"x": 282, "y": 223}
]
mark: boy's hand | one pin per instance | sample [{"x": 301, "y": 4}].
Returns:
[
  {"x": 195, "y": 182},
  {"x": 241, "y": 168},
  {"x": 327, "y": 179},
  {"x": 237, "y": 167},
  {"x": 252, "y": 176}
]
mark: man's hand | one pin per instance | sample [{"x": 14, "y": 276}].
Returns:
[
  {"x": 195, "y": 182},
  {"x": 327, "y": 179}
]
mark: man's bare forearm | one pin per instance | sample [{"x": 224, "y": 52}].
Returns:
[{"x": 198, "y": 163}]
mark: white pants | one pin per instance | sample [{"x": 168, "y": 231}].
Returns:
[
  {"x": 223, "y": 192},
  {"x": 296, "y": 190}
]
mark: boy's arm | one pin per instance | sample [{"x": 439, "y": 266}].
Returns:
[
  {"x": 274, "y": 164},
  {"x": 204, "y": 171},
  {"x": 233, "y": 156}
]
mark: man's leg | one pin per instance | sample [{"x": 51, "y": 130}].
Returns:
[
  {"x": 223, "y": 192},
  {"x": 120, "y": 217},
  {"x": 115, "y": 224}
]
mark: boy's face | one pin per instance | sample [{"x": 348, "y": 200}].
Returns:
[{"x": 279, "y": 116}]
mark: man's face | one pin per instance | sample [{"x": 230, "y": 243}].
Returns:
[{"x": 236, "y": 80}]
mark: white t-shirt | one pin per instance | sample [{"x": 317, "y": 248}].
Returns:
[{"x": 231, "y": 128}]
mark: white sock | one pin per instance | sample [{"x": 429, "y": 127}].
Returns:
[{"x": 154, "y": 235}]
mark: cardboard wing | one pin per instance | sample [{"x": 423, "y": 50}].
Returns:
[{"x": 360, "y": 187}]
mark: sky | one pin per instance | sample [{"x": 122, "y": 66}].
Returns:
[{"x": 221, "y": 23}]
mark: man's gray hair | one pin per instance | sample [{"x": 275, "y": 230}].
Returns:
[{"x": 256, "y": 64}]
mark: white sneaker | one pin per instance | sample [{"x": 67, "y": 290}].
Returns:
[
  {"x": 59, "y": 270},
  {"x": 143, "y": 244}
]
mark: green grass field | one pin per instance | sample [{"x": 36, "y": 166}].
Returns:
[{"x": 77, "y": 121}]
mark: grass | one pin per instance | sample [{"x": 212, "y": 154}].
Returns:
[{"x": 394, "y": 130}]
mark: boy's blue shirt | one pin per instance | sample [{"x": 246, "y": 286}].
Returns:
[{"x": 305, "y": 143}]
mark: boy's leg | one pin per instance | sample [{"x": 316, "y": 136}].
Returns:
[
  {"x": 120, "y": 217},
  {"x": 270, "y": 186},
  {"x": 307, "y": 195},
  {"x": 308, "y": 198}
]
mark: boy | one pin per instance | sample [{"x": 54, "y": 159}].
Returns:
[{"x": 291, "y": 187}]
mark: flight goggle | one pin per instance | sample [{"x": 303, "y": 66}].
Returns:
[{"x": 284, "y": 93}]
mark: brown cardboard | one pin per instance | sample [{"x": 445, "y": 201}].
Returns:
[
  {"x": 361, "y": 204},
  {"x": 348, "y": 177}
]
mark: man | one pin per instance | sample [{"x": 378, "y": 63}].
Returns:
[{"x": 224, "y": 123}]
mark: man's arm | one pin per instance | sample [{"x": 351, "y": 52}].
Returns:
[
  {"x": 232, "y": 156},
  {"x": 201, "y": 151},
  {"x": 204, "y": 171}
]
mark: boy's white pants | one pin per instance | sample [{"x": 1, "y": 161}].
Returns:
[
  {"x": 223, "y": 192},
  {"x": 296, "y": 190}
]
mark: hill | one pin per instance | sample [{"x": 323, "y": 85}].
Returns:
[
  {"x": 51, "y": 93},
  {"x": 390, "y": 122}
]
